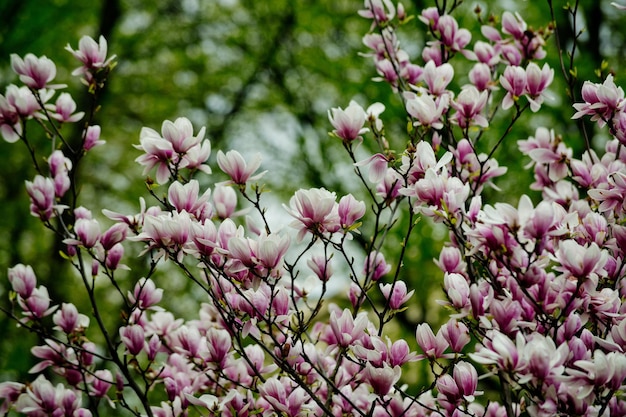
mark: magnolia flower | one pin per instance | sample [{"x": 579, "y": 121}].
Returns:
[
  {"x": 426, "y": 110},
  {"x": 233, "y": 164},
  {"x": 35, "y": 72},
  {"x": 348, "y": 123},
  {"x": 92, "y": 54}
]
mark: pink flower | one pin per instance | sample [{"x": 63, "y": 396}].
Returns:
[
  {"x": 69, "y": 320},
  {"x": 466, "y": 379},
  {"x": 348, "y": 123},
  {"x": 42, "y": 197},
  {"x": 186, "y": 197},
  {"x": 514, "y": 25},
  {"x": 537, "y": 81},
  {"x": 480, "y": 76},
  {"x": 287, "y": 402},
  {"x": 64, "y": 109},
  {"x": 92, "y": 138},
  {"x": 92, "y": 55},
  {"x": 37, "y": 305},
  {"x": 377, "y": 164},
  {"x": 23, "y": 279},
  {"x": 145, "y": 294},
  {"x": 486, "y": 53},
  {"x": 346, "y": 328},
  {"x": 224, "y": 201},
  {"x": 381, "y": 378},
  {"x": 349, "y": 210},
  {"x": 158, "y": 153},
  {"x": 426, "y": 110},
  {"x": 379, "y": 10},
  {"x": 437, "y": 77},
  {"x": 87, "y": 232},
  {"x": 321, "y": 267},
  {"x": 167, "y": 231},
  {"x": 580, "y": 261},
  {"x": 451, "y": 36},
  {"x": 133, "y": 338},
  {"x": 601, "y": 100},
  {"x": 456, "y": 334},
  {"x": 458, "y": 291},
  {"x": 375, "y": 266},
  {"x": 432, "y": 346},
  {"x": 219, "y": 343},
  {"x": 315, "y": 210},
  {"x": 180, "y": 134},
  {"x": 499, "y": 349},
  {"x": 469, "y": 105},
  {"x": 514, "y": 82},
  {"x": 233, "y": 165},
  {"x": 35, "y": 72},
  {"x": 396, "y": 294},
  {"x": 22, "y": 102}
]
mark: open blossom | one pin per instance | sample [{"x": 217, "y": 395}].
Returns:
[
  {"x": 469, "y": 105},
  {"x": 348, "y": 123},
  {"x": 514, "y": 82},
  {"x": 426, "y": 110},
  {"x": 600, "y": 100},
  {"x": 174, "y": 148},
  {"x": 236, "y": 167},
  {"x": 437, "y": 77},
  {"x": 34, "y": 72},
  {"x": 396, "y": 294},
  {"x": 64, "y": 109},
  {"x": 315, "y": 210},
  {"x": 92, "y": 54},
  {"x": 186, "y": 197}
]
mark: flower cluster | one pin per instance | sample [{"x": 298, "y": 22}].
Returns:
[{"x": 535, "y": 292}]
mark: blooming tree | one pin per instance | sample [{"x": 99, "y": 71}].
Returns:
[{"x": 535, "y": 291}]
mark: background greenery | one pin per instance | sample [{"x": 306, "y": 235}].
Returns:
[{"x": 260, "y": 75}]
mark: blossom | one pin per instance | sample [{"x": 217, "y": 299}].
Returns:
[
  {"x": 346, "y": 328},
  {"x": 537, "y": 80},
  {"x": 580, "y": 261},
  {"x": 92, "y": 55},
  {"x": 514, "y": 82},
  {"x": 349, "y": 210},
  {"x": 381, "y": 378},
  {"x": 42, "y": 197},
  {"x": 396, "y": 294},
  {"x": 64, "y": 109},
  {"x": 69, "y": 320},
  {"x": 34, "y": 72},
  {"x": 426, "y": 110},
  {"x": 451, "y": 35},
  {"x": 91, "y": 138},
  {"x": 432, "y": 346},
  {"x": 315, "y": 210},
  {"x": 133, "y": 337},
  {"x": 22, "y": 279},
  {"x": 348, "y": 123},
  {"x": 437, "y": 77},
  {"x": 469, "y": 105},
  {"x": 239, "y": 171}
]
